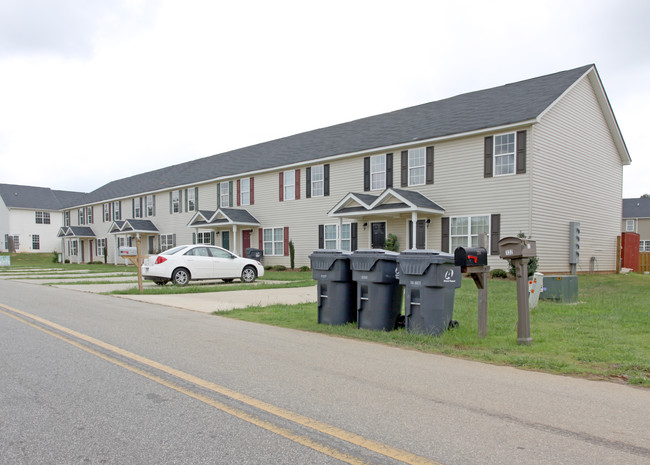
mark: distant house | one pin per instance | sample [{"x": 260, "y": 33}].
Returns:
[
  {"x": 30, "y": 217},
  {"x": 528, "y": 157},
  {"x": 636, "y": 218}
]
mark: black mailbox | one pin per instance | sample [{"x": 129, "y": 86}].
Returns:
[{"x": 470, "y": 256}]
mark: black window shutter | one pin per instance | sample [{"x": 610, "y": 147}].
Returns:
[
  {"x": 521, "y": 152},
  {"x": 366, "y": 174},
  {"x": 154, "y": 205},
  {"x": 405, "y": 168},
  {"x": 326, "y": 181},
  {"x": 495, "y": 234},
  {"x": 487, "y": 158},
  {"x": 230, "y": 193},
  {"x": 196, "y": 199},
  {"x": 187, "y": 201},
  {"x": 141, "y": 209},
  {"x": 429, "y": 166},
  {"x": 389, "y": 170},
  {"x": 193, "y": 238},
  {"x": 321, "y": 236},
  {"x": 445, "y": 234},
  {"x": 170, "y": 204},
  {"x": 132, "y": 208},
  {"x": 174, "y": 240},
  {"x": 353, "y": 236},
  {"x": 218, "y": 196},
  {"x": 308, "y": 183}
]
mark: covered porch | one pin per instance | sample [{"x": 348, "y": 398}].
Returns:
[
  {"x": 394, "y": 211},
  {"x": 77, "y": 243},
  {"x": 125, "y": 233},
  {"x": 234, "y": 229}
]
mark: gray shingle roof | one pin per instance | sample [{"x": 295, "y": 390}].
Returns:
[
  {"x": 38, "y": 198},
  {"x": 636, "y": 208}
]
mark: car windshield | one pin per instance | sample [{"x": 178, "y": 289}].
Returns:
[{"x": 174, "y": 250}]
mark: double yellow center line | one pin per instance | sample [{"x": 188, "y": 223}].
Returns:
[{"x": 86, "y": 343}]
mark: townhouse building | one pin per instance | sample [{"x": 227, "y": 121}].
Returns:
[{"x": 528, "y": 157}]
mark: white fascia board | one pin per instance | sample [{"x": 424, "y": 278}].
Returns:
[
  {"x": 195, "y": 217},
  {"x": 345, "y": 200}
]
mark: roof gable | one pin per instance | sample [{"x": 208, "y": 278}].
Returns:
[{"x": 38, "y": 198}]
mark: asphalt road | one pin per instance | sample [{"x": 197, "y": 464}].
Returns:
[{"x": 95, "y": 379}]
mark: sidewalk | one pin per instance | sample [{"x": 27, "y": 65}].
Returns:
[{"x": 208, "y": 302}]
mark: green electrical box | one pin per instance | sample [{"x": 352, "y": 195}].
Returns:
[{"x": 560, "y": 288}]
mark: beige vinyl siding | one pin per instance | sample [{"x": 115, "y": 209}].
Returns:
[
  {"x": 577, "y": 177},
  {"x": 643, "y": 228}
]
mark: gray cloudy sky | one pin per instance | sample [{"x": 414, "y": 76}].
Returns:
[{"x": 92, "y": 91}]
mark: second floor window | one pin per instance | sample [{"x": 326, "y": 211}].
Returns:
[
  {"x": 224, "y": 194},
  {"x": 378, "y": 172},
  {"x": 151, "y": 211},
  {"x": 176, "y": 201},
  {"x": 89, "y": 215},
  {"x": 191, "y": 200},
  {"x": 289, "y": 185},
  {"x": 82, "y": 216},
  {"x": 504, "y": 154},
  {"x": 245, "y": 194},
  {"x": 117, "y": 210},
  {"x": 42, "y": 217},
  {"x": 107, "y": 212},
  {"x": 318, "y": 180},
  {"x": 416, "y": 167},
  {"x": 66, "y": 218}
]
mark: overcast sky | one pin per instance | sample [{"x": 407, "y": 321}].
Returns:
[{"x": 93, "y": 91}]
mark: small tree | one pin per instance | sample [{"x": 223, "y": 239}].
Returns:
[
  {"x": 391, "y": 243},
  {"x": 292, "y": 254},
  {"x": 105, "y": 254}
]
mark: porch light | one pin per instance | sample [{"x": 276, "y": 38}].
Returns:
[{"x": 365, "y": 226}]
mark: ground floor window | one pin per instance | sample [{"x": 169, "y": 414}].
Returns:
[
  {"x": 204, "y": 238},
  {"x": 331, "y": 236},
  {"x": 36, "y": 242},
  {"x": 644, "y": 246},
  {"x": 101, "y": 245},
  {"x": 72, "y": 248},
  {"x": 464, "y": 230},
  {"x": 273, "y": 241},
  {"x": 166, "y": 241}
]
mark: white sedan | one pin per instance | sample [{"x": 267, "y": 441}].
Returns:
[{"x": 194, "y": 262}]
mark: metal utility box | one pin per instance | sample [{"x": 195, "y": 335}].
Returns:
[
  {"x": 470, "y": 256},
  {"x": 515, "y": 247},
  {"x": 560, "y": 288},
  {"x": 379, "y": 295},
  {"x": 430, "y": 278},
  {"x": 336, "y": 292},
  {"x": 128, "y": 251}
]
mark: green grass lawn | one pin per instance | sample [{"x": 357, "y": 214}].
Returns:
[{"x": 606, "y": 335}]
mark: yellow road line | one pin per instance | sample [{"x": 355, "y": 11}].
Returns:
[{"x": 374, "y": 446}]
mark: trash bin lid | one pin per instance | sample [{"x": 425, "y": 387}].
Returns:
[
  {"x": 416, "y": 261},
  {"x": 365, "y": 259},
  {"x": 323, "y": 259}
]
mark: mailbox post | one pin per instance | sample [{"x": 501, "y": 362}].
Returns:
[
  {"x": 519, "y": 251},
  {"x": 473, "y": 261},
  {"x": 135, "y": 256}
]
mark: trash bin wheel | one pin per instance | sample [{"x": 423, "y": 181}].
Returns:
[{"x": 453, "y": 324}]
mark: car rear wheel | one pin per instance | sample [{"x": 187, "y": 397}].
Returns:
[
  {"x": 249, "y": 274},
  {"x": 180, "y": 277}
]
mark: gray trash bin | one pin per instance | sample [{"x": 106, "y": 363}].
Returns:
[
  {"x": 254, "y": 254},
  {"x": 379, "y": 295},
  {"x": 430, "y": 278},
  {"x": 336, "y": 292}
]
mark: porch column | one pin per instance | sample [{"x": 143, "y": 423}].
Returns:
[
  {"x": 234, "y": 240},
  {"x": 339, "y": 233},
  {"x": 414, "y": 232}
]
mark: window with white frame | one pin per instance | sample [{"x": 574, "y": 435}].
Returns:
[
  {"x": 107, "y": 211},
  {"x": 66, "y": 218},
  {"x": 417, "y": 166},
  {"x": 101, "y": 244},
  {"x": 318, "y": 181},
  {"x": 16, "y": 242},
  {"x": 166, "y": 242},
  {"x": 117, "y": 210},
  {"x": 73, "y": 248},
  {"x": 191, "y": 200},
  {"x": 224, "y": 193},
  {"x": 150, "y": 205},
  {"x": 629, "y": 225},
  {"x": 289, "y": 183},
  {"x": 273, "y": 241},
  {"x": 464, "y": 230},
  {"x": 204, "y": 238},
  {"x": 82, "y": 216},
  {"x": 137, "y": 208},
  {"x": 36, "y": 242},
  {"x": 331, "y": 236},
  {"x": 504, "y": 154},
  {"x": 644, "y": 246},
  {"x": 42, "y": 217},
  {"x": 378, "y": 172},
  {"x": 89, "y": 215},
  {"x": 245, "y": 191},
  {"x": 176, "y": 201}
]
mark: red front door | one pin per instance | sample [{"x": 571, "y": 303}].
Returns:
[{"x": 246, "y": 240}]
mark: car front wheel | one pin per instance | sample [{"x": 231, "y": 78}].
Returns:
[
  {"x": 249, "y": 274},
  {"x": 181, "y": 277}
]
